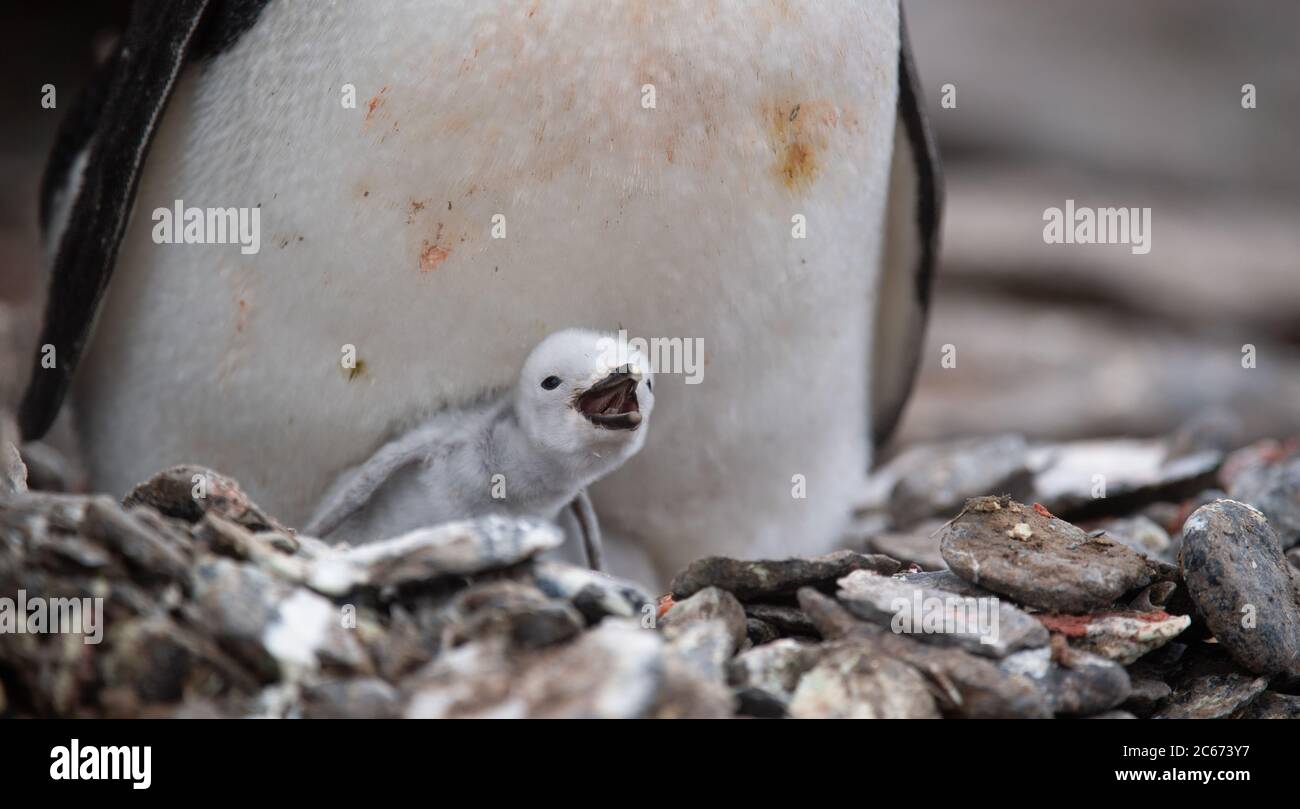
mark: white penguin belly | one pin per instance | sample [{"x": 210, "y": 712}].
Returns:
[{"x": 377, "y": 228}]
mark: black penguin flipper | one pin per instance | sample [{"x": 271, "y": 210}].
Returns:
[
  {"x": 117, "y": 127},
  {"x": 910, "y": 252}
]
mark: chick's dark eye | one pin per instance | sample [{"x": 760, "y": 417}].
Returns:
[
  {"x": 650, "y": 386},
  {"x": 551, "y": 383}
]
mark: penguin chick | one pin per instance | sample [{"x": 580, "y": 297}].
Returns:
[{"x": 579, "y": 410}]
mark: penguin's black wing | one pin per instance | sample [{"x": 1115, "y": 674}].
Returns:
[
  {"x": 91, "y": 179},
  {"x": 114, "y": 125},
  {"x": 910, "y": 251}
]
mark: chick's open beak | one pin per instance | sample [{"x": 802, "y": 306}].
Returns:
[{"x": 611, "y": 402}]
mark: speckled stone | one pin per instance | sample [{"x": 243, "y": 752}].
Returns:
[{"x": 1240, "y": 582}]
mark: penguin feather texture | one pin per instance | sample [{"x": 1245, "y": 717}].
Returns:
[{"x": 526, "y": 453}]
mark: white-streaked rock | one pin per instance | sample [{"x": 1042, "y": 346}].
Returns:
[{"x": 460, "y": 548}]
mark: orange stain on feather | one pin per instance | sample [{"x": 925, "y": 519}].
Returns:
[
  {"x": 431, "y": 255},
  {"x": 376, "y": 102},
  {"x": 799, "y": 134}
]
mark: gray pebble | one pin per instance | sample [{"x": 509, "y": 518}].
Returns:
[{"x": 989, "y": 627}]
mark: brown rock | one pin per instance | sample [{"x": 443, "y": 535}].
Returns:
[
  {"x": 173, "y": 492},
  {"x": 1039, "y": 560}
]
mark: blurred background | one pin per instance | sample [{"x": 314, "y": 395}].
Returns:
[
  {"x": 1113, "y": 104},
  {"x": 1109, "y": 103}
]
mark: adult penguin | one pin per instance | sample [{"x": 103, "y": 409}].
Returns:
[{"x": 438, "y": 185}]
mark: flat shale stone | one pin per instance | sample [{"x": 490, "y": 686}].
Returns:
[
  {"x": 1074, "y": 683},
  {"x": 752, "y": 580},
  {"x": 850, "y": 681},
  {"x": 158, "y": 660},
  {"x": 37, "y": 515},
  {"x": 962, "y": 684},
  {"x": 1212, "y": 696},
  {"x": 281, "y": 631},
  {"x": 1272, "y": 705},
  {"x": 988, "y": 627},
  {"x": 937, "y": 478},
  {"x": 946, "y": 580},
  {"x": 614, "y": 671},
  {"x": 460, "y": 548},
  {"x": 226, "y": 538},
  {"x": 1236, "y": 574},
  {"x": 1136, "y": 471},
  {"x": 1039, "y": 560},
  {"x": 127, "y": 536},
  {"x": 1122, "y": 636}
]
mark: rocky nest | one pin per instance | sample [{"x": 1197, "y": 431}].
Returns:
[{"x": 984, "y": 578}]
